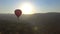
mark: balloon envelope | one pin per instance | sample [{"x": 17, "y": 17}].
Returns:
[{"x": 18, "y": 12}]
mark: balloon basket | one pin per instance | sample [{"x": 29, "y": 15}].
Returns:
[{"x": 18, "y": 20}]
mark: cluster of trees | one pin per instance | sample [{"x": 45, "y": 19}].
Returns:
[{"x": 6, "y": 27}]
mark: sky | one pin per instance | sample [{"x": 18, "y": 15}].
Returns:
[{"x": 41, "y": 6}]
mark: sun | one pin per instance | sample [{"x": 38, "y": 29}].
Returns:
[{"x": 27, "y": 8}]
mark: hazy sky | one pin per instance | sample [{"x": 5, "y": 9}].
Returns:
[{"x": 41, "y": 6}]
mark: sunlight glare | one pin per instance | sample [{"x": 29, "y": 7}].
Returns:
[{"x": 27, "y": 8}]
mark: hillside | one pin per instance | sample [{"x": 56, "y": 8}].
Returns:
[{"x": 47, "y": 23}]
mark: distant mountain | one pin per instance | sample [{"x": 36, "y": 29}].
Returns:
[{"x": 33, "y": 18}]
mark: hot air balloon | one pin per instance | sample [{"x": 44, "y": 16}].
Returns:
[{"x": 18, "y": 12}]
